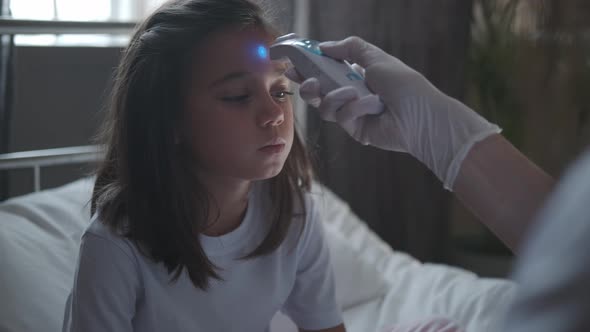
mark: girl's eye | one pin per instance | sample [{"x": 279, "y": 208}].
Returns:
[
  {"x": 236, "y": 99},
  {"x": 282, "y": 95}
]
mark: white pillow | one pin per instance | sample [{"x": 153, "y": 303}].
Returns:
[
  {"x": 357, "y": 278},
  {"x": 39, "y": 240},
  {"x": 357, "y": 281}
]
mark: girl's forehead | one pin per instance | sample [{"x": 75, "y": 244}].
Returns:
[{"x": 243, "y": 48}]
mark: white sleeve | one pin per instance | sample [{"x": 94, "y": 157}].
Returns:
[
  {"x": 312, "y": 301},
  {"x": 105, "y": 288},
  {"x": 553, "y": 271}
]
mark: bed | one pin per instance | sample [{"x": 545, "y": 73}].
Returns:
[{"x": 375, "y": 285}]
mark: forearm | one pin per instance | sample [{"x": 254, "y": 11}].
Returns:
[{"x": 502, "y": 188}]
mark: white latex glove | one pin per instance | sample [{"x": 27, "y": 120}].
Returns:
[{"x": 418, "y": 119}]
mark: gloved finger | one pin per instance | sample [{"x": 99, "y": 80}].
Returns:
[
  {"x": 357, "y": 108},
  {"x": 294, "y": 75},
  {"x": 360, "y": 70},
  {"x": 334, "y": 100},
  {"x": 353, "y": 117},
  {"x": 353, "y": 49},
  {"x": 309, "y": 91}
]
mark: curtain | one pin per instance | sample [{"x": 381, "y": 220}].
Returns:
[{"x": 398, "y": 197}]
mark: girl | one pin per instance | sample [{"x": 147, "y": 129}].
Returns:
[{"x": 201, "y": 216}]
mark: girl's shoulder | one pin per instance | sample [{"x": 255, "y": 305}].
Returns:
[
  {"x": 99, "y": 228},
  {"x": 99, "y": 235}
]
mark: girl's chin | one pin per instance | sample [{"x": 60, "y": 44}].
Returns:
[{"x": 270, "y": 172}]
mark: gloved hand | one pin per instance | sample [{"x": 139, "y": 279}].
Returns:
[{"x": 418, "y": 119}]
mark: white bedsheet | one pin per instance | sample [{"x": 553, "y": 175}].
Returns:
[
  {"x": 415, "y": 290},
  {"x": 377, "y": 287}
]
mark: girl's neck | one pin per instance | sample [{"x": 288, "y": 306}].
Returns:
[{"x": 228, "y": 204}]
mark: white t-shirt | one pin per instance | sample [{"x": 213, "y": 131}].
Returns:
[{"x": 116, "y": 288}]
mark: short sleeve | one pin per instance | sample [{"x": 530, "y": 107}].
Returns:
[
  {"x": 105, "y": 288},
  {"x": 312, "y": 302}
]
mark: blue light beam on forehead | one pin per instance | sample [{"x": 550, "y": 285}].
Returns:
[{"x": 262, "y": 52}]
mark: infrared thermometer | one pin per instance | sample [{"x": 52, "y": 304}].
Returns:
[{"x": 308, "y": 59}]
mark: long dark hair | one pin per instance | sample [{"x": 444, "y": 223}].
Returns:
[{"x": 146, "y": 187}]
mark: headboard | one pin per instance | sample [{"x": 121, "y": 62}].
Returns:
[{"x": 36, "y": 159}]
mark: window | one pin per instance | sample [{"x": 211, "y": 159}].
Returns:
[
  {"x": 79, "y": 10},
  {"x": 68, "y": 10}
]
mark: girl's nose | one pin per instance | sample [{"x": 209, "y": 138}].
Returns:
[{"x": 271, "y": 113}]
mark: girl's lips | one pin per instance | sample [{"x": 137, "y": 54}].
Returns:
[
  {"x": 273, "y": 144},
  {"x": 272, "y": 149}
]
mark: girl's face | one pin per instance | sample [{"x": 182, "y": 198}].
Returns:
[{"x": 238, "y": 111}]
